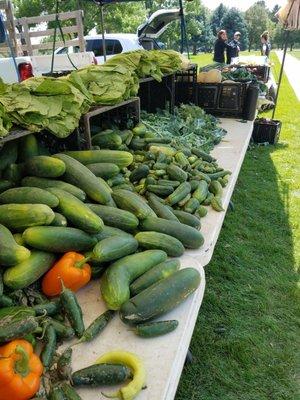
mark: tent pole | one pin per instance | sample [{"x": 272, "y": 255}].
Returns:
[
  {"x": 281, "y": 71},
  {"x": 102, "y": 31},
  {"x": 183, "y": 30}
]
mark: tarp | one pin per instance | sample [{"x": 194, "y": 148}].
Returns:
[{"x": 289, "y": 15}]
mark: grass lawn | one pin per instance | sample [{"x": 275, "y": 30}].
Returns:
[{"x": 247, "y": 337}]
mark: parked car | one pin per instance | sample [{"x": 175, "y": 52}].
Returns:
[{"x": 116, "y": 43}]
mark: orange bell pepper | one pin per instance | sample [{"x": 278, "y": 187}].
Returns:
[
  {"x": 20, "y": 371},
  {"x": 71, "y": 270}
]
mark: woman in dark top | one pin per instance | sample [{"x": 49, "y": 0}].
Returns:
[
  {"x": 265, "y": 44},
  {"x": 220, "y": 47}
]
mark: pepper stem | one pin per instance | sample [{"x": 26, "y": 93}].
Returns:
[
  {"x": 80, "y": 264},
  {"x": 22, "y": 365}
]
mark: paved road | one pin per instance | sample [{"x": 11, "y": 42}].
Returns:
[{"x": 291, "y": 68}]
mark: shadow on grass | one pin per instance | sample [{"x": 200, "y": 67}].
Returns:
[{"x": 246, "y": 338}]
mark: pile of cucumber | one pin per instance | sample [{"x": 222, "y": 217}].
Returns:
[{"x": 128, "y": 204}]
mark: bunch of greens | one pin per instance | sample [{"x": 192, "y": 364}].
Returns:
[
  {"x": 188, "y": 126},
  {"x": 240, "y": 74},
  {"x": 5, "y": 121}
]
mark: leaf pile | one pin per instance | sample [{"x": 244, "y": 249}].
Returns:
[
  {"x": 56, "y": 104},
  {"x": 189, "y": 126}
]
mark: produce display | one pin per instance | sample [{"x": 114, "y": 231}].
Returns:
[
  {"x": 56, "y": 104},
  {"x": 115, "y": 214}
]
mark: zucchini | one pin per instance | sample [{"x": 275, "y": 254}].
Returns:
[
  {"x": 8, "y": 154},
  {"x": 155, "y": 274},
  {"x": 160, "y": 190},
  {"x": 79, "y": 175},
  {"x": 101, "y": 374},
  {"x": 120, "y": 158},
  {"x": 28, "y": 147},
  {"x": 179, "y": 193},
  {"x": 11, "y": 253},
  {"x": 58, "y": 239},
  {"x": 188, "y": 236},
  {"x": 107, "y": 139},
  {"x": 28, "y": 195},
  {"x": 188, "y": 219},
  {"x": 104, "y": 170},
  {"x": 161, "y": 297},
  {"x": 138, "y": 173},
  {"x": 115, "y": 282},
  {"x": 59, "y": 220},
  {"x": 21, "y": 216},
  {"x": 115, "y": 217},
  {"x": 132, "y": 202},
  {"x": 113, "y": 248},
  {"x": 44, "y": 183},
  {"x": 160, "y": 209},
  {"x": 5, "y": 184},
  {"x": 155, "y": 240},
  {"x": 29, "y": 270},
  {"x": 201, "y": 192},
  {"x": 153, "y": 329},
  {"x": 191, "y": 206},
  {"x": 78, "y": 213},
  {"x": 176, "y": 173},
  {"x": 45, "y": 167}
]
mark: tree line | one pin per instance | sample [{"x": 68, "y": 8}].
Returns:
[{"x": 202, "y": 24}]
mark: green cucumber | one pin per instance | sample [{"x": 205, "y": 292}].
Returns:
[
  {"x": 176, "y": 173},
  {"x": 115, "y": 217},
  {"x": 161, "y": 297},
  {"x": 28, "y": 147},
  {"x": 10, "y": 252},
  {"x": 109, "y": 231},
  {"x": 45, "y": 167},
  {"x": 80, "y": 176},
  {"x": 154, "y": 329},
  {"x": 116, "y": 180},
  {"x": 14, "y": 173},
  {"x": 115, "y": 282},
  {"x": 202, "y": 154},
  {"x": 113, "y": 248},
  {"x": 167, "y": 182},
  {"x": 17, "y": 329},
  {"x": 219, "y": 174},
  {"x": 29, "y": 270},
  {"x": 58, "y": 239},
  {"x": 59, "y": 220},
  {"x": 179, "y": 193},
  {"x": 201, "y": 192},
  {"x": 191, "y": 206},
  {"x": 208, "y": 199},
  {"x": 132, "y": 202},
  {"x": 8, "y": 154},
  {"x": 19, "y": 238},
  {"x": 188, "y": 219},
  {"x": 215, "y": 187},
  {"x": 107, "y": 140},
  {"x": 5, "y": 184},
  {"x": 182, "y": 202},
  {"x": 188, "y": 236},
  {"x": 155, "y": 240},
  {"x": 160, "y": 190},
  {"x": 194, "y": 184},
  {"x": 16, "y": 313},
  {"x": 45, "y": 183},
  {"x": 120, "y": 158},
  {"x": 160, "y": 209},
  {"x": 28, "y": 195},
  {"x": 201, "y": 211},
  {"x": 78, "y": 213},
  {"x": 104, "y": 170},
  {"x": 21, "y": 216},
  {"x": 155, "y": 274},
  {"x": 216, "y": 203},
  {"x": 165, "y": 149},
  {"x": 138, "y": 173},
  {"x": 101, "y": 374}
]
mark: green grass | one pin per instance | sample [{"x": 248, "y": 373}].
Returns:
[{"x": 247, "y": 337}]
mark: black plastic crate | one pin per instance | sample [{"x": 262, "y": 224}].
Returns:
[
  {"x": 157, "y": 95},
  {"x": 262, "y": 72},
  {"x": 58, "y": 145},
  {"x": 266, "y": 131},
  {"x": 186, "y": 86}
]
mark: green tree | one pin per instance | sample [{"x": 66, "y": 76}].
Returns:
[
  {"x": 216, "y": 18},
  {"x": 234, "y": 21},
  {"x": 257, "y": 22}
]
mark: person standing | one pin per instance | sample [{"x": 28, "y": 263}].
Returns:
[
  {"x": 220, "y": 46},
  {"x": 233, "y": 48},
  {"x": 265, "y": 44}
]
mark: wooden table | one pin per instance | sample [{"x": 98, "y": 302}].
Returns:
[{"x": 164, "y": 356}]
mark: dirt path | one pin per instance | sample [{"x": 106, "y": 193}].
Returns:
[{"x": 291, "y": 68}]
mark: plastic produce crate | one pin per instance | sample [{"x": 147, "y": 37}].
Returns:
[
  {"x": 157, "y": 95},
  {"x": 266, "y": 131},
  {"x": 261, "y": 71},
  {"x": 186, "y": 86}
]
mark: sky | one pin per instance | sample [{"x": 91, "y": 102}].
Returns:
[{"x": 241, "y": 4}]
